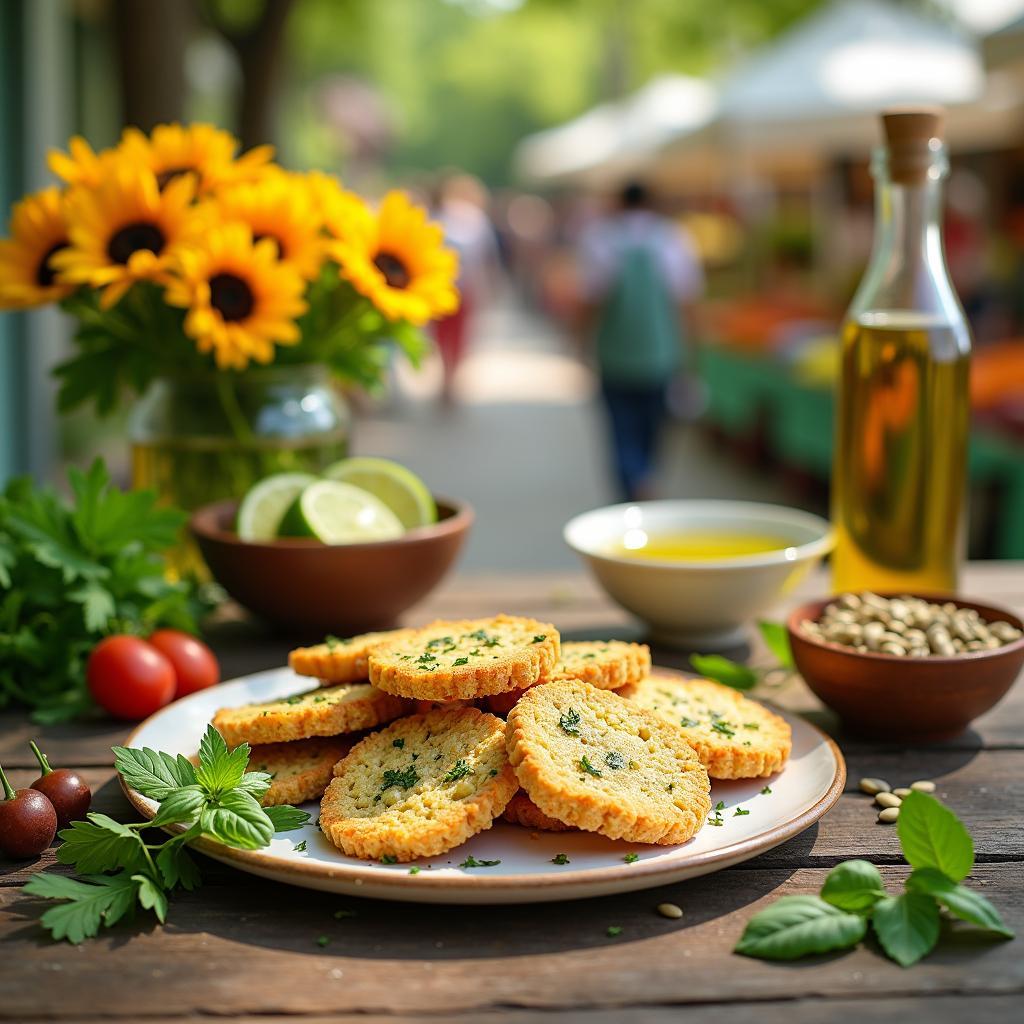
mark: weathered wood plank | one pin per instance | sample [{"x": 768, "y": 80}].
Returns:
[{"x": 261, "y": 957}]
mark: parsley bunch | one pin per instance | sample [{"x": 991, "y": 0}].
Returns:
[
  {"x": 118, "y": 870},
  {"x": 938, "y": 848},
  {"x": 71, "y": 574}
]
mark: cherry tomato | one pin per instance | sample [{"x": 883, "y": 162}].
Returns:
[
  {"x": 28, "y": 821},
  {"x": 129, "y": 678},
  {"x": 194, "y": 663},
  {"x": 64, "y": 788}
]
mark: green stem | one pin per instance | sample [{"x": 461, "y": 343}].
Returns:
[
  {"x": 40, "y": 757},
  {"x": 232, "y": 410},
  {"x": 9, "y": 793}
]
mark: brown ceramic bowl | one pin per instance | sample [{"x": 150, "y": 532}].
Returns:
[
  {"x": 909, "y": 700},
  {"x": 309, "y": 587}
]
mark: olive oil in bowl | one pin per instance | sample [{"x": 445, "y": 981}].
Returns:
[{"x": 696, "y": 545}]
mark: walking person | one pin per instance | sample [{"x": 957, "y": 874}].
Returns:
[{"x": 640, "y": 273}]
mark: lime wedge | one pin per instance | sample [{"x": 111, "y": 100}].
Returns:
[
  {"x": 264, "y": 506},
  {"x": 399, "y": 488},
  {"x": 338, "y": 513}
]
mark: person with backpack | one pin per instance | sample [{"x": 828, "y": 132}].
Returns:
[{"x": 639, "y": 273}]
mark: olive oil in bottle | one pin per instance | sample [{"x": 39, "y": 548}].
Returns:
[{"x": 900, "y": 463}]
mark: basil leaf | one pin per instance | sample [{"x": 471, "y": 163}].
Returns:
[
  {"x": 932, "y": 836},
  {"x": 795, "y": 926},
  {"x": 722, "y": 670},
  {"x": 907, "y": 925},
  {"x": 237, "y": 820},
  {"x": 286, "y": 818},
  {"x": 854, "y": 885},
  {"x": 776, "y": 639},
  {"x": 962, "y": 902},
  {"x": 100, "y": 844},
  {"x": 151, "y": 896},
  {"x": 152, "y": 772},
  {"x": 220, "y": 770},
  {"x": 182, "y": 805}
]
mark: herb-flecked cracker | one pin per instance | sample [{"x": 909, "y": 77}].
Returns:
[
  {"x": 523, "y": 811},
  {"x": 589, "y": 758},
  {"x": 466, "y": 659},
  {"x": 340, "y": 659},
  {"x": 735, "y": 737},
  {"x": 606, "y": 664},
  {"x": 420, "y": 787},
  {"x": 299, "y": 770},
  {"x": 325, "y": 711}
]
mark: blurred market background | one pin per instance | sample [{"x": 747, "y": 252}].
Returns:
[{"x": 518, "y": 121}]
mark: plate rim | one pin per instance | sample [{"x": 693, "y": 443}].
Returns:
[{"x": 362, "y": 872}]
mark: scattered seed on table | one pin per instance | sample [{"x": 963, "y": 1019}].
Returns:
[
  {"x": 873, "y": 786},
  {"x": 902, "y": 792},
  {"x": 923, "y": 786},
  {"x": 887, "y": 800},
  {"x": 888, "y": 815},
  {"x": 670, "y": 910}
]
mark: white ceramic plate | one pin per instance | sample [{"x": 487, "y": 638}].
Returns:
[{"x": 810, "y": 784}]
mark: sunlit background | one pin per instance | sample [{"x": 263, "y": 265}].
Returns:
[{"x": 752, "y": 121}]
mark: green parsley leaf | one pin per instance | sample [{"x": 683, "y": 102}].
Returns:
[
  {"x": 587, "y": 767},
  {"x": 460, "y": 661},
  {"x": 722, "y": 670},
  {"x": 300, "y": 847},
  {"x": 181, "y": 806},
  {"x": 631, "y": 858},
  {"x": 237, "y": 820},
  {"x": 414, "y": 870},
  {"x": 458, "y": 771},
  {"x": 724, "y": 728},
  {"x": 613, "y": 931},
  {"x": 560, "y": 858},
  {"x": 91, "y": 902},
  {"x": 219, "y": 769},
  {"x": 960, "y": 901},
  {"x": 854, "y": 885},
  {"x": 539, "y": 638},
  {"x": 389, "y": 858},
  {"x": 776, "y": 639},
  {"x": 285, "y": 818},
  {"x": 472, "y": 862},
  {"x": 766, "y": 791},
  {"x": 152, "y": 773},
  {"x": 404, "y": 778},
  {"x": 932, "y": 836},
  {"x": 151, "y": 895},
  {"x": 739, "y": 812},
  {"x": 570, "y": 722},
  {"x": 794, "y": 926},
  {"x": 100, "y": 844},
  {"x": 614, "y": 759},
  {"x": 176, "y": 866},
  {"x": 907, "y": 925}
]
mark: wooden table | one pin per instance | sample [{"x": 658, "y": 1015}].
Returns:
[{"x": 246, "y": 949}]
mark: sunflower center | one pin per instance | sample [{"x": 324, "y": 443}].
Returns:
[
  {"x": 394, "y": 270},
  {"x": 277, "y": 242},
  {"x": 231, "y": 296},
  {"x": 133, "y": 237},
  {"x": 45, "y": 274},
  {"x": 164, "y": 178}
]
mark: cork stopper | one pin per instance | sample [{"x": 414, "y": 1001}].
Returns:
[{"x": 908, "y": 139}]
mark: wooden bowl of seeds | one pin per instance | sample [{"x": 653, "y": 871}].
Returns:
[{"x": 908, "y": 668}]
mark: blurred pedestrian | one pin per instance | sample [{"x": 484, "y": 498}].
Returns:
[
  {"x": 639, "y": 273},
  {"x": 461, "y": 210}
]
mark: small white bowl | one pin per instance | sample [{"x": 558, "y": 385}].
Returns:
[{"x": 703, "y": 605}]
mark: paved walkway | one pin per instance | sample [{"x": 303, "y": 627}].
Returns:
[{"x": 524, "y": 443}]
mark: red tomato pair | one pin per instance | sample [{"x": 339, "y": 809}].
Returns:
[{"x": 131, "y": 678}]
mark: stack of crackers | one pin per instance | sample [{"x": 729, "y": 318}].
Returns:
[{"x": 418, "y": 739}]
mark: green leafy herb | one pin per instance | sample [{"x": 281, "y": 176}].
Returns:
[
  {"x": 722, "y": 670},
  {"x": 723, "y": 727},
  {"x": 614, "y": 759},
  {"x": 539, "y": 638},
  {"x": 739, "y": 812},
  {"x": 389, "y": 858},
  {"x": 560, "y": 858},
  {"x": 460, "y": 661},
  {"x": 118, "y": 871},
  {"x": 458, "y": 771},
  {"x": 322, "y": 940},
  {"x": 300, "y": 847},
  {"x": 631, "y": 858},
  {"x": 717, "y": 818},
  {"x": 404, "y": 778},
  {"x": 587, "y": 767},
  {"x": 613, "y": 931},
  {"x": 776, "y": 639},
  {"x": 569, "y": 722},
  {"x": 766, "y": 791},
  {"x": 940, "y": 850},
  {"x": 74, "y": 572},
  {"x": 795, "y": 926},
  {"x": 398, "y": 743},
  {"x": 688, "y": 723},
  {"x": 414, "y": 870},
  {"x": 472, "y": 862}
]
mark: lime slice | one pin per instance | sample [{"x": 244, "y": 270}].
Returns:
[
  {"x": 338, "y": 513},
  {"x": 265, "y": 504},
  {"x": 399, "y": 488}
]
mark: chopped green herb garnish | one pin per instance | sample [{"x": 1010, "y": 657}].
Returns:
[
  {"x": 587, "y": 767},
  {"x": 724, "y": 728},
  {"x": 403, "y": 779},
  {"x": 718, "y": 819},
  {"x": 414, "y": 870},
  {"x": 570, "y": 722},
  {"x": 560, "y": 858},
  {"x": 631, "y": 858},
  {"x": 472, "y": 862},
  {"x": 322, "y": 940},
  {"x": 751, "y": 725},
  {"x": 613, "y": 931},
  {"x": 340, "y": 915},
  {"x": 333, "y": 641},
  {"x": 458, "y": 771},
  {"x": 739, "y": 812},
  {"x": 493, "y": 772},
  {"x": 614, "y": 759},
  {"x": 389, "y": 858},
  {"x": 460, "y": 661},
  {"x": 766, "y": 790},
  {"x": 688, "y": 723},
  {"x": 398, "y": 743},
  {"x": 300, "y": 847},
  {"x": 539, "y": 638}
]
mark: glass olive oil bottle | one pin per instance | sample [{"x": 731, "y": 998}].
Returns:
[{"x": 900, "y": 462}]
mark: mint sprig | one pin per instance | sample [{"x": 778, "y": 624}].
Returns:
[
  {"x": 938, "y": 847},
  {"x": 218, "y": 799}
]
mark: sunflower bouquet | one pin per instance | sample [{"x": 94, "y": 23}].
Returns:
[{"x": 177, "y": 256}]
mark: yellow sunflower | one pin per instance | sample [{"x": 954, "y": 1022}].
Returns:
[
  {"x": 38, "y": 231},
  {"x": 172, "y": 150},
  {"x": 81, "y": 165},
  {"x": 398, "y": 260},
  {"x": 278, "y": 207},
  {"x": 241, "y": 299},
  {"x": 344, "y": 214},
  {"x": 125, "y": 230}
]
